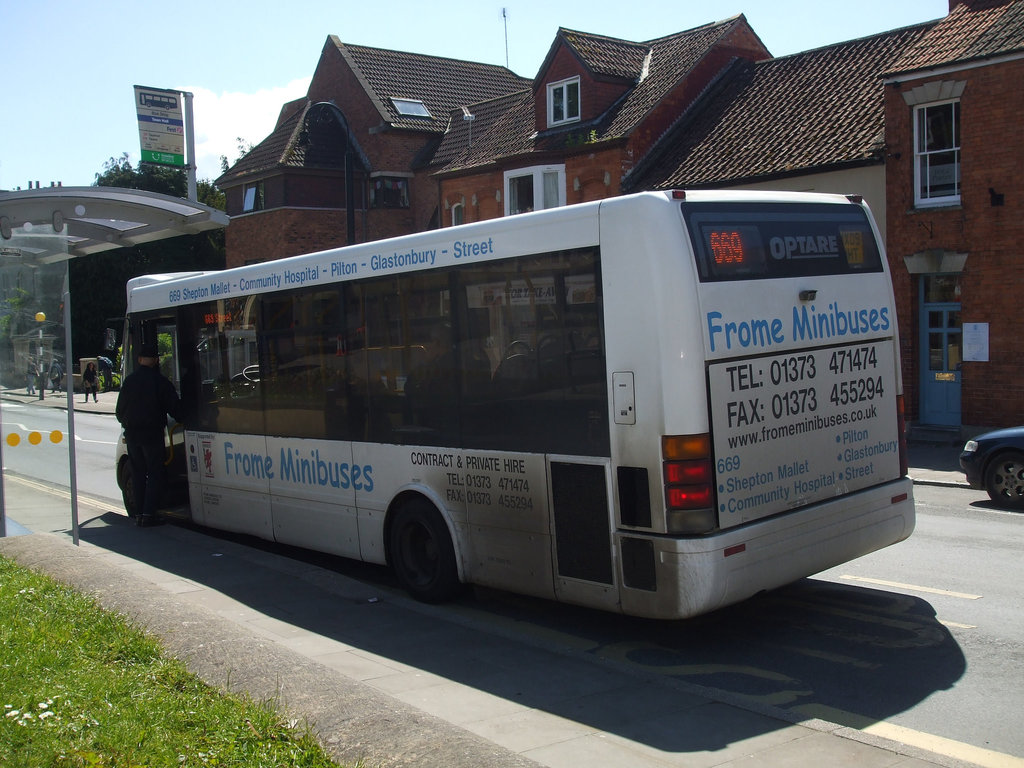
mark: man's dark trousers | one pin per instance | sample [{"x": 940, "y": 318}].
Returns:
[{"x": 146, "y": 452}]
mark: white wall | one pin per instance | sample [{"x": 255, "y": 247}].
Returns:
[{"x": 868, "y": 182}]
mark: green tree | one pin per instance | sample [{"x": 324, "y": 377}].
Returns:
[
  {"x": 97, "y": 281},
  {"x": 244, "y": 148}
]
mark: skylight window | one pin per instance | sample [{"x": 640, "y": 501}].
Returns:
[{"x": 411, "y": 107}]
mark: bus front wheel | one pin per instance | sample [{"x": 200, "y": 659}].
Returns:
[
  {"x": 124, "y": 479},
  {"x": 422, "y": 554}
]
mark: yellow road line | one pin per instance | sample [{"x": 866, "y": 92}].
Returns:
[
  {"x": 912, "y": 587},
  {"x": 939, "y": 745},
  {"x": 63, "y": 493},
  {"x": 956, "y": 749}
]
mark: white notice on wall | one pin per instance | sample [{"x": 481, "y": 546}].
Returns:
[{"x": 976, "y": 342}]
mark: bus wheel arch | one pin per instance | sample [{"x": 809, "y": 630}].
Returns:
[{"x": 420, "y": 549}]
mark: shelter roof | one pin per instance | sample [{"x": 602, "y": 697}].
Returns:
[{"x": 56, "y": 223}]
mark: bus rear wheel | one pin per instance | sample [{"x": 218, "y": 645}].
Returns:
[{"x": 422, "y": 554}]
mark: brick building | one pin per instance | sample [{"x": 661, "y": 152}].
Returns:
[
  {"x": 955, "y": 215},
  {"x": 905, "y": 118},
  {"x": 387, "y": 110},
  {"x": 597, "y": 106}
]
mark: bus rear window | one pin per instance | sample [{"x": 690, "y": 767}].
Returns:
[{"x": 752, "y": 241}]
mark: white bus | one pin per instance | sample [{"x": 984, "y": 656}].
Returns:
[{"x": 658, "y": 404}]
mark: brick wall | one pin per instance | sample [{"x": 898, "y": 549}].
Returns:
[
  {"x": 992, "y": 236},
  {"x": 283, "y": 232},
  {"x": 305, "y": 210}
]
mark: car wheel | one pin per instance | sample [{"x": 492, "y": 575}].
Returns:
[
  {"x": 1004, "y": 480},
  {"x": 124, "y": 480},
  {"x": 422, "y": 554}
]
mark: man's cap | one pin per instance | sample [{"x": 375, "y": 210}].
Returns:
[{"x": 148, "y": 350}]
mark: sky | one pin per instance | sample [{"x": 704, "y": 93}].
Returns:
[{"x": 70, "y": 65}]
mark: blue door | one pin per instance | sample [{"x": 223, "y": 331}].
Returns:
[{"x": 941, "y": 348}]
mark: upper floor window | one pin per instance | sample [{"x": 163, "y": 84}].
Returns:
[
  {"x": 252, "y": 197},
  {"x": 937, "y": 153},
  {"x": 564, "y": 101},
  {"x": 389, "y": 192},
  {"x": 457, "y": 214},
  {"x": 410, "y": 107},
  {"x": 534, "y": 189}
]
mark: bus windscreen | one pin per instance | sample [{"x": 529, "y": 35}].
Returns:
[{"x": 751, "y": 241}]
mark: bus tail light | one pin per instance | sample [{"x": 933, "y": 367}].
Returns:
[
  {"x": 688, "y": 478},
  {"x": 901, "y": 422}
]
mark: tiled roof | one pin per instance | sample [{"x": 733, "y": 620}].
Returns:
[
  {"x": 667, "y": 59},
  {"x": 672, "y": 58},
  {"x": 815, "y": 109},
  {"x": 494, "y": 120},
  {"x": 306, "y": 136},
  {"x": 606, "y": 55},
  {"x": 441, "y": 84},
  {"x": 967, "y": 35},
  {"x": 270, "y": 152}
]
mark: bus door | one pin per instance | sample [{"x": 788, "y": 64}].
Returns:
[{"x": 163, "y": 332}]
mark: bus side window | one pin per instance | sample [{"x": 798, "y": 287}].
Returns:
[{"x": 544, "y": 344}]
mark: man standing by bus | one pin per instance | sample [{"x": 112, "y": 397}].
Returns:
[{"x": 146, "y": 398}]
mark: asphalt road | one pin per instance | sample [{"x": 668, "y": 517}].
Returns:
[
  {"x": 36, "y": 444},
  {"x": 921, "y": 638}
]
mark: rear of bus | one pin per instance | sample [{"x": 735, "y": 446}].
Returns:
[{"x": 767, "y": 389}]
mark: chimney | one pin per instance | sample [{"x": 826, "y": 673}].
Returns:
[{"x": 977, "y": 5}]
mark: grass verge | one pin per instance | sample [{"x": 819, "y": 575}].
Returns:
[{"x": 80, "y": 686}]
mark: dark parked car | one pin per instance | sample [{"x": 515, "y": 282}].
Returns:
[{"x": 995, "y": 461}]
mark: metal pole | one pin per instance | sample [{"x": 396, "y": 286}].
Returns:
[
  {"x": 350, "y": 213},
  {"x": 69, "y": 385},
  {"x": 350, "y": 203},
  {"x": 3, "y": 500},
  {"x": 190, "y": 146}
]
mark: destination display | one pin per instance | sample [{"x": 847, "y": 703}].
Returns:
[{"x": 797, "y": 428}]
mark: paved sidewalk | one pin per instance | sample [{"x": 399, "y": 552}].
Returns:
[{"x": 392, "y": 682}]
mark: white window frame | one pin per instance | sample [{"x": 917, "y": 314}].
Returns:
[
  {"x": 458, "y": 214},
  {"x": 253, "y": 197},
  {"x": 410, "y": 107},
  {"x": 562, "y": 86},
  {"x": 554, "y": 173},
  {"x": 922, "y": 155}
]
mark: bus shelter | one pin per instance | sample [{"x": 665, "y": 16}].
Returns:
[{"x": 40, "y": 231}]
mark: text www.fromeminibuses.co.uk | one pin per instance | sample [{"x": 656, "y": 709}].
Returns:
[{"x": 812, "y": 424}]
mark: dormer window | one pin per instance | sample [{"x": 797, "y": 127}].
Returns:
[
  {"x": 564, "y": 101},
  {"x": 410, "y": 107}
]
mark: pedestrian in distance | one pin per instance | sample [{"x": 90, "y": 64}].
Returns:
[
  {"x": 145, "y": 401},
  {"x": 90, "y": 382},
  {"x": 31, "y": 374},
  {"x": 56, "y": 376},
  {"x": 106, "y": 366}
]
